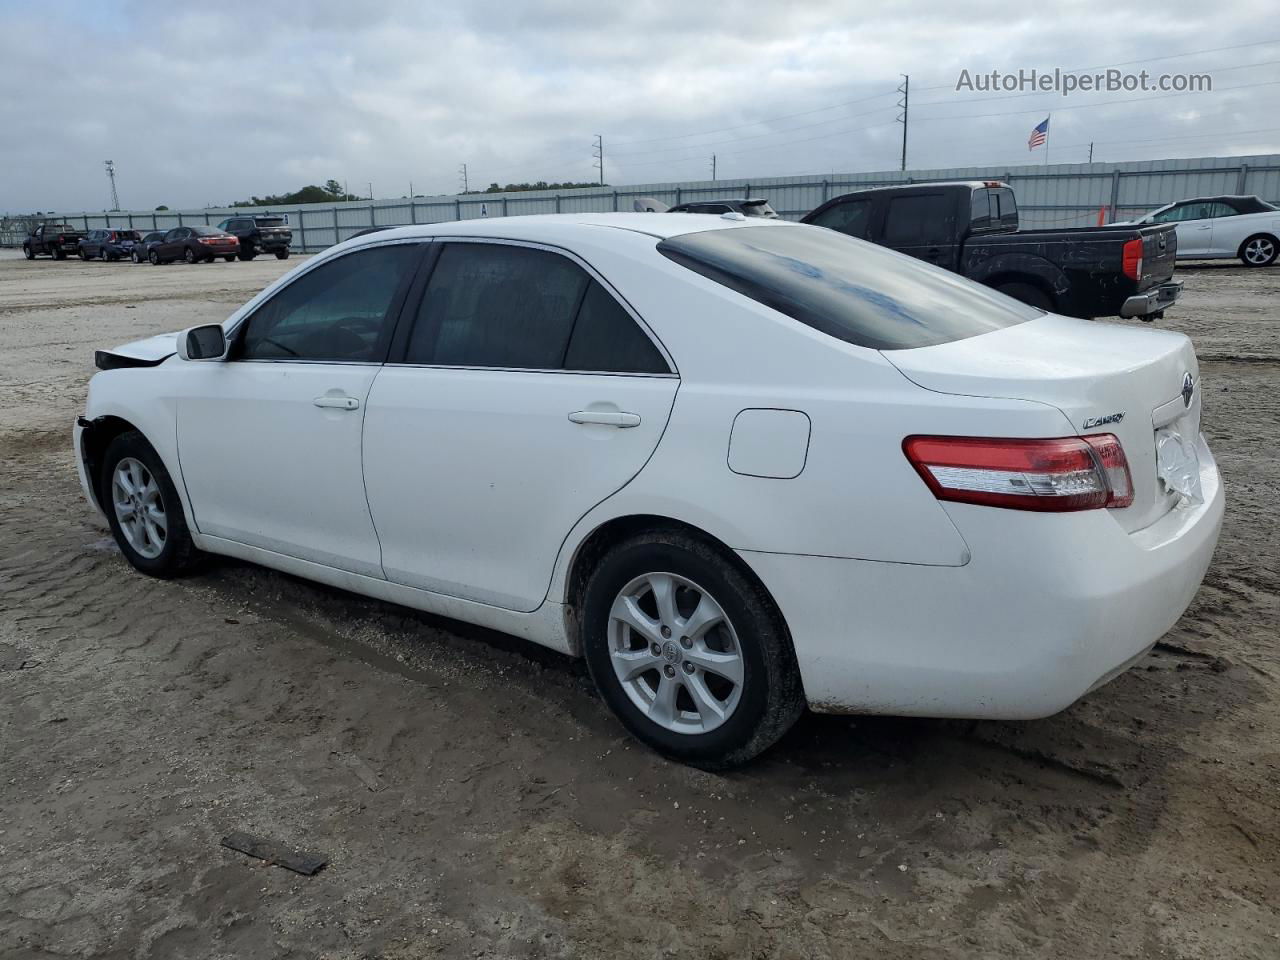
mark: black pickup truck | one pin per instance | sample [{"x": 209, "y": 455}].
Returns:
[
  {"x": 56, "y": 239},
  {"x": 971, "y": 228}
]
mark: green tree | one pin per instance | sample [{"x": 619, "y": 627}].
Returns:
[{"x": 162, "y": 207}]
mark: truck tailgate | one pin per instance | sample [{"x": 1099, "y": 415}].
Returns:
[{"x": 1159, "y": 250}]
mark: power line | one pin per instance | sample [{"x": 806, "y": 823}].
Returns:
[{"x": 762, "y": 120}]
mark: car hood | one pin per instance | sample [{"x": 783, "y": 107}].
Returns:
[{"x": 148, "y": 352}]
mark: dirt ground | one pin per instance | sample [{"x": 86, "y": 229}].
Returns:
[{"x": 474, "y": 797}]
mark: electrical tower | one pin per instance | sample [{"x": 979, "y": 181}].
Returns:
[
  {"x": 462, "y": 176},
  {"x": 904, "y": 104},
  {"x": 598, "y": 153},
  {"x": 111, "y": 176}
]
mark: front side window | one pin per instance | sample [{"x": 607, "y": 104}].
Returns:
[
  {"x": 918, "y": 220},
  {"x": 1182, "y": 212},
  {"x": 338, "y": 311},
  {"x": 852, "y": 217},
  {"x": 857, "y": 292},
  {"x": 514, "y": 307}
]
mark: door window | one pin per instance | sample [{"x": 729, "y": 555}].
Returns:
[
  {"x": 853, "y": 218},
  {"x": 338, "y": 311},
  {"x": 513, "y": 307},
  {"x": 918, "y": 220}
]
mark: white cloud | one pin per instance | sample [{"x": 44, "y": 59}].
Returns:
[{"x": 211, "y": 105}]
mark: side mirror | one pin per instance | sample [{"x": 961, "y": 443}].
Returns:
[{"x": 208, "y": 342}]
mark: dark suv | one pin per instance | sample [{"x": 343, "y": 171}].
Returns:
[
  {"x": 108, "y": 244},
  {"x": 260, "y": 233}
]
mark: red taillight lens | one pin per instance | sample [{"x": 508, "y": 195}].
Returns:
[
  {"x": 1070, "y": 473},
  {"x": 1132, "y": 259}
]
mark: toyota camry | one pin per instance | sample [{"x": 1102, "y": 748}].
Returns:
[{"x": 741, "y": 466}]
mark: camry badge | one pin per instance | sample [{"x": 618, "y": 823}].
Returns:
[
  {"x": 1188, "y": 389},
  {"x": 1092, "y": 422}
]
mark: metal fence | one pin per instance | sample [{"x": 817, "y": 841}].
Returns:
[{"x": 1062, "y": 195}]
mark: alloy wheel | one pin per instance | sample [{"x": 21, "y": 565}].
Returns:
[
  {"x": 139, "y": 507},
  {"x": 1259, "y": 251},
  {"x": 675, "y": 653}
]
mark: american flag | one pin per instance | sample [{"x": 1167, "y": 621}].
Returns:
[{"x": 1039, "y": 135}]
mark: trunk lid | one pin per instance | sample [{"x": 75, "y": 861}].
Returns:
[{"x": 1105, "y": 378}]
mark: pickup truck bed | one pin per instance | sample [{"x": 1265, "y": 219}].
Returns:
[{"x": 971, "y": 228}]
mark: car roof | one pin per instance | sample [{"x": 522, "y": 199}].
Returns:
[{"x": 564, "y": 226}]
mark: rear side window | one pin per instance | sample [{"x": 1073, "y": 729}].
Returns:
[
  {"x": 606, "y": 338},
  {"x": 919, "y": 220},
  {"x": 852, "y": 217},
  {"x": 851, "y": 290},
  {"x": 513, "y": 307}
]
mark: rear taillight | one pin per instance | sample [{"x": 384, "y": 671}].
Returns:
[
  {"x": 1071, "y": 473},
  {"x": 1132, "y": 258}
]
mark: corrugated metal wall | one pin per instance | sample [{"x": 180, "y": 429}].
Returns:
[{"x": 1059, "y": 195}]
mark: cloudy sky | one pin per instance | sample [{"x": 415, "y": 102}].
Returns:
[{"x": 202, "y": 104}]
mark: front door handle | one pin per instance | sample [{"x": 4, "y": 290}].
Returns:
[
  {"x": 339, "y": 403},
  {"x": 609, "y": 418}
]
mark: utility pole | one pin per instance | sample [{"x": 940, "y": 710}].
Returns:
[
  {"x": 411, "y": 194},
  {"x": 904, "y": 104},
  {"x": 462, "y": 173},
  {"x": 1091, "y": 151},
  {"x": 599, "y": 155},
  {"x": 111, "y": 175},
  {"x": 713, "y": 166},
  {"x": 370, "y": 191}
]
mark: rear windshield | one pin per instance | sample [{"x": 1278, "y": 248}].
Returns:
[
  {"x": 849, "y": 289},
  {"x": 126, "y": 234},
  {"x": 270, "y": 221},
  {"x": 207, "y": 231},
  {"x": 57, "y": 228}
]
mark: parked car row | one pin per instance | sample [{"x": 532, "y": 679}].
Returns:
[{"x": 234, "y": 238}]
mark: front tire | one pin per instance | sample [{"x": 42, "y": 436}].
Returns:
[
  {"x": 1260, "y": 250},
  {"x": 59, "y": 253},
  {"x": 135, "y": 257},
  {"x": 230, "y": 258},
  {"x": 84, "y": 255},
  {"x": 189, "y": 255},
  {"x": 154, "y": 258},
  {"x": 282, "y": 254},
  {"x": 689, "y": 651},
  {"x": 143, "y": 509}
]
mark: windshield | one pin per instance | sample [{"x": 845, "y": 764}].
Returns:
[
  {"x": 758, "y": 208},
  {"x": 849, "y": 289}
]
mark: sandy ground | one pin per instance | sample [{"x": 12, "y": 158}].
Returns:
[{"x": 475, "y": 798}]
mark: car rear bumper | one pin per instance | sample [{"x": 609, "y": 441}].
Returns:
[
  {"x": 1049, "y": 607},
  {"x": 1152, "y": 301}
]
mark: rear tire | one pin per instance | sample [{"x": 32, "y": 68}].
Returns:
[
  {"x": 230, "y": 258},
  {"x": 1260, "y": 250},
  {"x": 714, "y": 698},
  {"x": 282, "y": 254},
  {"x": 189, "y": 255},
  {"x": 135, "y": 257},
  {"x": 28, "y": 252},
  {"x": 143, "y": 508},
  {"x": 1029, "y": 294},
  {"x": 58, "y": 253}
]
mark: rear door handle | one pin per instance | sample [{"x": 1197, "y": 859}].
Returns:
[
  {"x": 610, "y": 418},
  {"x": 339, "y": 403}
]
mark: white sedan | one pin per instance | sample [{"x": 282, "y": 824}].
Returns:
[
  {"x": 1223, "y": 228},
  {"x": 739, "y": 465}
]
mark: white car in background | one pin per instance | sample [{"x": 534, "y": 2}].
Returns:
[
  {"x": 739, "y": 465},
  {"x": 1223, "y": 228}
]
